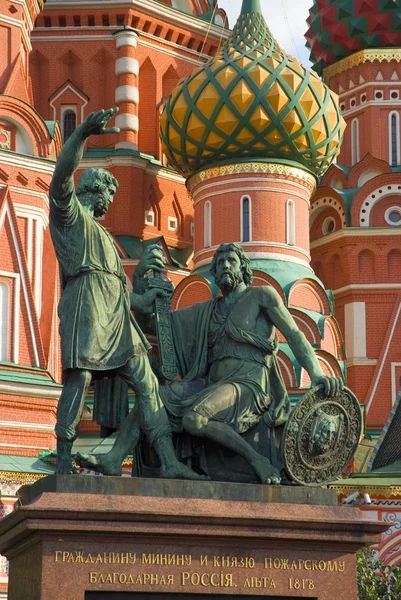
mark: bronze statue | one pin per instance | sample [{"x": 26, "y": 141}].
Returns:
[
  {"x": 99, "y": 336},
  {"x": 225, "y": 351}
]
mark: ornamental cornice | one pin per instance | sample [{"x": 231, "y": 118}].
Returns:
[
  {"x": 389, "y": 491},
  {"x": 12, "y": 477},
  {"x": 251, "y": 168},
  {"x": 363, "y": 56}
]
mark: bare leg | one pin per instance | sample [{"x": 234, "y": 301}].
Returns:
[
  {"x": 149, "y": 415},
  {"x": 69, "y": 412},
  {"x": 110, "y": 462},
  {"x": 223, "y": 434}
]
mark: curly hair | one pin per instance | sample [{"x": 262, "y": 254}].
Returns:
[
  {"x": 245, "y": 262},
  {"x": 94, "y": 180}
]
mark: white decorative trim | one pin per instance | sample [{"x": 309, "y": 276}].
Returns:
[
  {"x": 30, "y": 390},
  {"x": 367, "y": 286},
  {"x": 129, "y": 122},
  {"x": 370, "y": 202},
  {"x": 247, "y": 190},
  {"x": 172, "y": 223},
  {"x": 207, "y": 225},
  {"x": 309, "y": 328},
  {"x": 198, "y": 282},
  {"x": 29, "y": 211},
  {"x": 290, "y": 222},
  {"x": 133, "y": 161},
  {"x": 149, "y": 7},
  {"x": 394, "y": 382},
  {"x": 325, "y": 226},
  {"x": 149, "y": 217},
  {"x": 18, "y": 425},
  {"x": 16, "y": 312},
  {"x": 355, "y": 141},
  {"x": 283, "y": 365},
  {"x": 126, "y": 93},
  {"x": 357, "y": 232},
  {"x": 261, "y": 256},
  {"x": 16, "y": 23},
  {"x": 61, "y": 92},
  {"x": 39, "y": 165},
  {"x": 361, "y": 362},
  {"x": 246, "y": 197},
  {"x": 246, "y": 245},
  {"x": 23, "y": 281},
  {"x": 126, "y": 38},
  {"x": 302, "y": 284},
  {"x": 388, "y": 212},
  {"x": 127, "y": 65},
  {"x": 355, "y": 330},
  {"x": 5, "y": 321},
  {"x": 383, "y": 362},
  {"x": 126, "y": 146},
  {"x": 396, "y": 114}
]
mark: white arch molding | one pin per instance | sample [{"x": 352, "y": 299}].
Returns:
[
  {"x": 327, "y": 202},
  {"x": 374, "y": 197}
]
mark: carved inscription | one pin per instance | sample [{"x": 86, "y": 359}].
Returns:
[{"x": 205, "y": 571}]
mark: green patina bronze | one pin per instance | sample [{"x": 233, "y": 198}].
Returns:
[
  {"x": 99, "y": 336},
  {"x": 231, "y": 385}
]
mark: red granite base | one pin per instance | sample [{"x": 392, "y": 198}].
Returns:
[{"x": 90, "y": 547}]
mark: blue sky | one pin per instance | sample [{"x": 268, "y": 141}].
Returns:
[{"x": 286, "y": 19}]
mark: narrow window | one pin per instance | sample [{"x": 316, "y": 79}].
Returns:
[
  {"x": 245, "y": 219},
  {"x": 355, "y": 141},
  {"x": 208, "y": 224},
  {"x": 394, "y": 134},
  {"x": 290, "y": 222},
  {"x": 4, "y": 321},
  {"x": 69, "y": 124}
]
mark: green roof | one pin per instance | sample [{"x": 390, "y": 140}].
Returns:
[
  {"x": 51, "y": 128},
  {"x": 134, "y": 246},
  {"x": 41, "y": 378},
  {"x": 23, "y": 464}
]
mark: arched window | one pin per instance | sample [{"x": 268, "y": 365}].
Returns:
[
  {"x": 69, "y": 124},
  {"x": 355, "y": 141},
  {"x": 246, "y": 225},
  {"x": 394, "y": 138},
  {"x": 208, "y": 224},
  {"x": 4, "y": 321},
  {"x": 290, "y": 222}
]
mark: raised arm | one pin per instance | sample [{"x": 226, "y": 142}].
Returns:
[
  {"x": 62, "y": 184},
  {"x": 302, "y": 349}
]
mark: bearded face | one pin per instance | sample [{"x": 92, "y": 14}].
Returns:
[
  {"x": 228, "y": 271},
  {"x": 102, "y": 200}
]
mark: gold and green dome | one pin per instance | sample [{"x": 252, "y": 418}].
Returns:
[{"x": 251, "y": 101}]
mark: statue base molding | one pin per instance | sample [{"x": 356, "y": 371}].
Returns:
[{"x": 111, "y": 538}]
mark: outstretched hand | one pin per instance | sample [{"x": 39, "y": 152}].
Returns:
[{"x": 95, "y": 123}]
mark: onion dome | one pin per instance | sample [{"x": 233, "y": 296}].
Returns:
[
  {"x": 251, "y": 101},
  {"x": 338, "y": 28}
]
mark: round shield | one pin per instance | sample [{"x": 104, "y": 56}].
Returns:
[{"x": 321, "y": 436}]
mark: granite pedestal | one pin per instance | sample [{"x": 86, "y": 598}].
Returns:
[{"x": 78, "y": 537}]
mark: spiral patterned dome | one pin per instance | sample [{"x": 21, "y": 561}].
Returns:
[
  {"x": 338, "y": 28},
  {"x": 251, "y": 101}
]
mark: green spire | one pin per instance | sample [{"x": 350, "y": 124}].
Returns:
[{"x": 250, "y": 6}]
